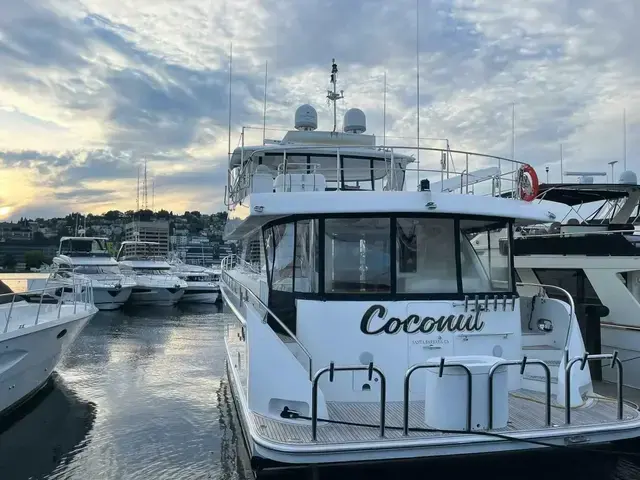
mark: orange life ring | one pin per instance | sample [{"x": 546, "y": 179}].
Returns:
[{"x": 527, "y": 183}]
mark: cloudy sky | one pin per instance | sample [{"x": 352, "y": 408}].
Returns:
[{"x": 90, "y": 88}]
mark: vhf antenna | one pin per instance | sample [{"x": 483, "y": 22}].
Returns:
[{"x": 334, "y": 96}]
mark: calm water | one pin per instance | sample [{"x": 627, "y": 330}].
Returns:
[{"x": 142, "y": 395}]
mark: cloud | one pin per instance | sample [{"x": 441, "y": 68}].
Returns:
[{"x": 90, "y": 88}]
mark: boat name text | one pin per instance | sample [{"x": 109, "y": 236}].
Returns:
[{"x": 416, "y": 324}]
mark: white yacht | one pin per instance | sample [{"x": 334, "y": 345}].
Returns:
[
  {"x": 36, "y": 329},
  {"x": 89, "y": 257},
  {"x": 202, "y": 282},
  {"x": 368, "y": 328},
  {"x": 156, "y": 284},
  {"x": 594, "y": 257}
]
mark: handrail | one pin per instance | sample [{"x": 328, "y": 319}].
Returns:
[
  {"x": 85, "y": 297},
  {"x": 523, "y": 364},
  {"x": 574, "y": 234},
  {"x": 583, "y": 362},
  {"x": 370, "y": 368},
  {"x": 572, "y": 306},
  {"x": 226, "y": 275},
  {"x": 441, "y": 366},
  {"x": 242, "y": 180}
]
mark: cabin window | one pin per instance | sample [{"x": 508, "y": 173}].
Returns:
[
  {"x": 280, "y": 242},
  {"x": 426, "y": 256},
  {"x": 357, "y": 255},
  {"x": 306, "y": 256},
  {"x": 484, "y": 266},
  {"x": 253, "y": 253}
]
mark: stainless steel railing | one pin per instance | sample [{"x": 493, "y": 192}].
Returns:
[
  {"x": 84, "y": 299},
  {"x": 615, "y": 361},
  {"x": 243, "y": 293},
  {"x": 441, "y": 365},
  {"x": 389, "y": 156},
  {"x": 523, "y": 364},
  {"x": 349, "y": 368}
]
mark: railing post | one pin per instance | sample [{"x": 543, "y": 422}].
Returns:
[
  {"x": 583, "y": 362},
  {"x": 467, "y": 172},
  {"x": 441, "y": 366},
  {"x": 6, "y": 327},
  {"x": 40, "y": 305},
  {"x": 393, "y": 171},
  {"x": 338, "y": 176},
  {"x": 332, "y": 369},
  {"x": 523, "y": 364}
]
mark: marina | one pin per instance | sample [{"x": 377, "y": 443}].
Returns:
[{"x": 142, "y": 394}]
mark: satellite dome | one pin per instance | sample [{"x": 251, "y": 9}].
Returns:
[
  {"x": 306, "y": 118},
  {"x": 628, "y": 177},
  {"x": 354, "y": 121}
]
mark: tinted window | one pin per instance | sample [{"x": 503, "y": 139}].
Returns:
[
  {"x": 426, "y": 257},
  {"x": 357, "y": 255}
]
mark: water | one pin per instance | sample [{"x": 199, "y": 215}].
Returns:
[{"x": 142, "y": 395}]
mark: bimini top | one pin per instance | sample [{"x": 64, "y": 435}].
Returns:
[{"x": 578, "y": 193}]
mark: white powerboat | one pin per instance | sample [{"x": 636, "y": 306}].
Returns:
[
  {"x": 36, "y": 329},
  {"x": 156, "y": 284},
  {"x": 368, "y": 327},
  {"x": 596, "y": 258},
  {"x": 202, "y": 283},
  {"x": 89, "y": 257}
]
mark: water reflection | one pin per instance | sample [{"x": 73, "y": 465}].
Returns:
[
  {"x": 142, "y": 395},
  {"x": 46, "y": 433}
]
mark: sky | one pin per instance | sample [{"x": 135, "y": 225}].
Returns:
[{"x": 90, "y": 89}]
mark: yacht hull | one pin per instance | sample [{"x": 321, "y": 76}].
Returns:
[
  {"x": 626, "y": 341},
  {"x": 29, "y": 356},
  {"x": 110, "y": 298},
  {"x": 160, "y": 296},
  {"x": 200, "y": 295}
]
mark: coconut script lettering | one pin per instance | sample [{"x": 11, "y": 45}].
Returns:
[{"x": 374, "y": 322}]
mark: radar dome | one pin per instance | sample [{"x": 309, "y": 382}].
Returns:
[
  {"x": 306, "y": 118},
  {"x": 354, "y": 121},
  {"x": 628, "y": 177}
]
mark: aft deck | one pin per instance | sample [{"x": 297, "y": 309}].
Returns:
[{"x": 526, "y": 414}]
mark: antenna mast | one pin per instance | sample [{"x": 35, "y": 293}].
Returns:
[
  {"x": 144, "y": 190},
  {"x": 384, "y": 113},
  {"x": 138, "y": 191},
  {"x": 624, "y": 139},
  {"x": 418, "y": 86},
  {"x": 153, "y": 194},
  {"x": 230, "y": 71},
  {"x": 334, "y": 96},
  {"x": 264, "y": 108}
]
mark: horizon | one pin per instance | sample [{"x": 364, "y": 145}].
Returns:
[{"x": 89, "y": 89}]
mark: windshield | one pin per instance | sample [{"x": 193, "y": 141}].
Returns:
[
  {"x": 403, "y": 255},
  {"x": 95, "y": 246},
  {"x": 97, "y": 269}
]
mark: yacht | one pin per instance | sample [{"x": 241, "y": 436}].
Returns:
[
  {"x": 595, "y": 256},
  {"x": 368, "y": 328},
  {"x": 156, "y": 284},
  {"x": 37, "y": 327},
  {"x": 202, "y": 282},
  {"x": 89, "y": 257}
]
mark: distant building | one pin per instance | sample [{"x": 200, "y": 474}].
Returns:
[
  {"x": 15, "y": 231},
  {"x": 157, "y": 231}
]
